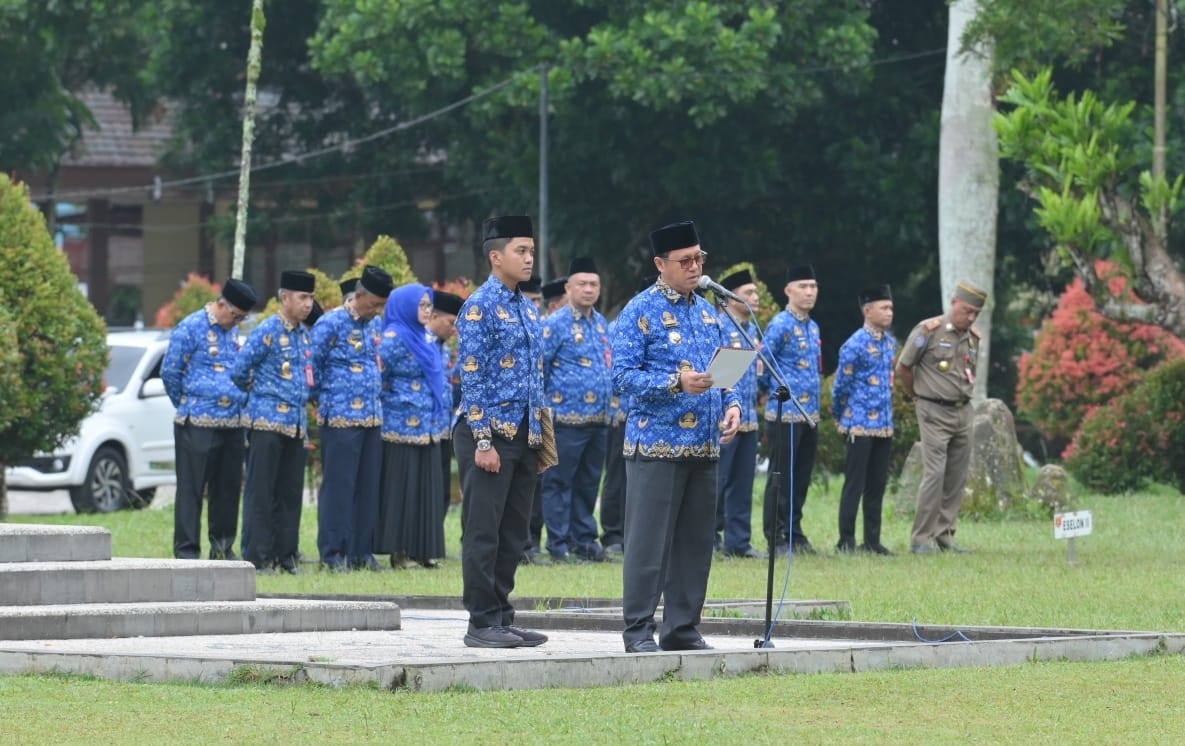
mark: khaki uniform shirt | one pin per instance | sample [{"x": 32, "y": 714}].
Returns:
[{"x": 942, "y": 359}]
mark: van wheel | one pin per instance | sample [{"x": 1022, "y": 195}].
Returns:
[{"x": 106, "y": 487}]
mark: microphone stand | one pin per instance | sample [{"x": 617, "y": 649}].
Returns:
[{"x": 781, "y": 395}]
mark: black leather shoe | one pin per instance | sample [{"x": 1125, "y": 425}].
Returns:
[
  {"x": 642, "y": 646},
  {"x": 591, "y": 553},
  {"x": 782, "y": 550},
  {"x": 492, "y": 637},
  {"x": 749, "y": 553},
  {"x": 534, "y": 557},
  {"x": 369, "y": 562},
  {"x": 880, "y": 549},
  {"x": 922, "y": 549},
  {"x": 953, "y": 547},
  {"x": 804, "y": 547},
  {"x": 530, "y": 637},
  {"x": 699, "y": 644},
  {"x": 846, "y": 547}
]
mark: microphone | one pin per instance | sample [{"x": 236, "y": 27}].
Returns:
[{"x": 707, "y": 283}]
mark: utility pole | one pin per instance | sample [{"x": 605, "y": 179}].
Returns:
[
  {"x": 541, "y": 244},
  {"x": 253, "y": 64}
]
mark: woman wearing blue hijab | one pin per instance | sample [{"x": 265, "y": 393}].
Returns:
[{"x": 411, "y": 526}]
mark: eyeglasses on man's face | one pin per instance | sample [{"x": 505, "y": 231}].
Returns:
[{"x": 690, "y": 261}]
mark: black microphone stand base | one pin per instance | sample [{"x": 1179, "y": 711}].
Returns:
[{"x": 781, "y": 394}]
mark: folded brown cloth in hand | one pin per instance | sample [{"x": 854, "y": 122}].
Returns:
[{"x": 548, "y": 454}]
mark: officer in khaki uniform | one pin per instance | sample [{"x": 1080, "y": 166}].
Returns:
[{"x": 937, "y": 368}]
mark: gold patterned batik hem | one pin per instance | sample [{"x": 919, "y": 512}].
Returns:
[
  {"x": 866, "y": 432},
  {"x": 747, "y": 427},
  {"x": 218, "y": 423},
  {"x": 578, "y": 420},
  {"x": 409, "y": 440},
  {"x": 261, "y": 424},
  {"x": 506, "y": 429},
  {"x": 339, "y": 423},
  {"x": 666, "y": 452}
]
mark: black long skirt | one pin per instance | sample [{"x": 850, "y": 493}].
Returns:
[{"x": 410, "y": 509}]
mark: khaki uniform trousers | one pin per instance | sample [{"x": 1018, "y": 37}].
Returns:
[{"x": 946, "y": 456}]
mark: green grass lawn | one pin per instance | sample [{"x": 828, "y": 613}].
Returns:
[{"x": 1130, "y": 577}]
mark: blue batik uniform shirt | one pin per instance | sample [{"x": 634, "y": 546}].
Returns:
[
  {"x": 577, "y": 367},
  {"x": 618, "y": 404},
  {"x": 746, "y": 388},
  {"x": 346, "y": 366},
  {"x": 408, "y": 409},
  {"x": 275, "y": 368},
  {"x": 196, "y": 372},
  {"x": 500, "y": 357},
  {"x": 447, "y": 363},
  {"x": 862, "y": 394},
  {"x": 795, "y": 345},
  {"x": 658, "y": 334}
]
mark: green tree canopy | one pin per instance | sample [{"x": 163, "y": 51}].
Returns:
[
  {"x": 54, "y": 51},
  {"x": 1083, "y": 165}
]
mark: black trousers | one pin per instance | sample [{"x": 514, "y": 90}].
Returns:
[
  {"x": 207, "y": 457},
  {"x": 866, "y": 472},
  {"x": 276, "y": 469},
  {"x": 446, "y": 471},
  {"x": 535, "y": 530},
  {"x": 613, "y": 489},
  {"x": 348, "y": 506},
  {"x": 787, "y": 439},
  {"x": 670, "y": 521},
  {"x": 495, "y": 517}
]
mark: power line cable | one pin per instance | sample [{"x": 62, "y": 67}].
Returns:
[
  {"x": 345, "y": 145},
  {"x": 408, "y": 124}
]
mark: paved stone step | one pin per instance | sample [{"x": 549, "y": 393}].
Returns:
[
  {"x": 35, "y": 542},
  {"x": 105, "y": 621},
  {"x": 125, "y": 581}
]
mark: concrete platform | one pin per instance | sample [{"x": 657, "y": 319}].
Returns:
[
  {"x": 155, "y": 619},
  {"x": 427, "y": 654},
  {"x": 124, "y": 581},
  {"x": 38, "y": 543}
]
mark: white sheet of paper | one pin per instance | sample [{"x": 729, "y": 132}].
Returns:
[{"x": 729, "y": 364}]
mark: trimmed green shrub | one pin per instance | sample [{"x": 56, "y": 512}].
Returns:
[{"x": 56, "y": 343}]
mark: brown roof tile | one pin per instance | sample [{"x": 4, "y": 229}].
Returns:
[{"x": 115, "y": 143}]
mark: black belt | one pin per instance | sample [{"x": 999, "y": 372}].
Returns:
[{"x": 945, "y": 402}]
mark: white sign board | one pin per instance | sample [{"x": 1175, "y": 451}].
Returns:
[{"x": 1069, "y": 525}]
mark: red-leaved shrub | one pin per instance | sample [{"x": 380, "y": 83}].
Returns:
[
  {"x": 194, "y": 294},
  {"x": 1082, "y": 359}
]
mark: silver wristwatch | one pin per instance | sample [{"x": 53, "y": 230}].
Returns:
[{"x": 484, "y": 444}]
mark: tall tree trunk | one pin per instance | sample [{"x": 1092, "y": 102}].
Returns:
[
  {"x": 258, "y": 21},
  {"x": 968, "y": 175}
]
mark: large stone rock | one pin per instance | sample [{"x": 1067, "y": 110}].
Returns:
[
  {"x": 905, "y": 493},
  {"x": 1052, "y": 488},
  {"x": 995, "y": 479}
]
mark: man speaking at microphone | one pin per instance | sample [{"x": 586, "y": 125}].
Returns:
[{"x": 663, "y": 343}]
